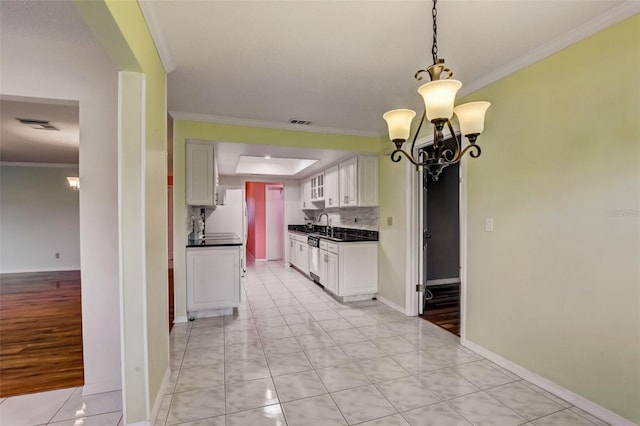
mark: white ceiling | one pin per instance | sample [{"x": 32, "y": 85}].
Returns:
[
  {"x": 23, "y": 143},
  {"x": 49, "y": 22},
  {"x": 342, "y": 64},
  {"x": 229, "y": 153},
  {"x": 271, "y": 166}
]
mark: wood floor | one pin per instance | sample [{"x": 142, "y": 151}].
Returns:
[
  {"x": 40, "y": 332},
  {"x": 444, "y": 309}
]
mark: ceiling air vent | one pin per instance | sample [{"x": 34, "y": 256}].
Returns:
[
  {"x": 37, "y": 124},
  {"x": 301, "y": 122}
]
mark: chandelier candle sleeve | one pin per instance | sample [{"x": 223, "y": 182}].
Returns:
[
  {"x": 399, "y": 123},
  {"x": 471, "y": 117},
  {"x": 439, "y": 97}
]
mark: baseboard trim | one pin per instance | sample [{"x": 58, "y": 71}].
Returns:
[
  {"x": 300, "y": 271},
  {"x": 102, "y": 387},
  {"x": 546, "y": 384},
  {"x": 142, "y": 423},
  {"x": 391, "y": 304},
  {"x": 180, "y": 320},
  {"x": 68, "y": 268}
]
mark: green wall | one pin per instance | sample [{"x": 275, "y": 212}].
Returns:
[
  {"x": 392, "y": 247},
  {"x": 556, "y": 287}
]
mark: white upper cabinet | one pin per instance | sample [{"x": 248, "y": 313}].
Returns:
[
  {"x": 358, "y": 182},
  {"x": 352, "y": 183},
  {"x": 305, "y": 198},
  {"x": 367, "y": 181},
  {"x": 201, "y": 174},
  {"x": 349, "y": 183},
  {"x": 331, "y": 187},
  {"x": 317, "y": 188},
  {"x": 305, "y": 194}
]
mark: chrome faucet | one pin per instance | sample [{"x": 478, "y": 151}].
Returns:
[{"x": 328, "y": 226}]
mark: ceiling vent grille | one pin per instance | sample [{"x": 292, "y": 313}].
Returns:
[
  {"x": 37, "y": 124},
  {"x": 300, "y": 122}
]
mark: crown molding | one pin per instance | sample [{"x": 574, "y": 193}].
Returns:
[
  {"x": 46, "y": 101},
  {"x": 157, "y": 35},
  {"x": 188, "y": 116},
  {"x": 599, "y": 23}
]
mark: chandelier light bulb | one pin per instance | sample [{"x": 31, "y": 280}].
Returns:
[
  {"x": 74, "y": 182},
  {"x": 439, "y": 97},
  {"x": 399, "y": 123}
]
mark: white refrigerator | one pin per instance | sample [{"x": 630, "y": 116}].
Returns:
[{"x": 231, "y": 217}]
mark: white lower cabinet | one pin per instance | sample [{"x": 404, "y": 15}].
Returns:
[
  {"x": 299, "y": 252},
  {"x": 302, "y": 257},
  {"x": 323, "y": 264},
  {"x": 332, "y": 273},
  {"x": 292, "y": 250},
  {"x": 213, "y": 278},
  {"x": 349, "y": 269}
]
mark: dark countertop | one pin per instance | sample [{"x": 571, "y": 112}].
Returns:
[
  {"x": 341, "y": 235},
  {"x": 347, "y": 239},
  {"x": 216, "y": 240}
]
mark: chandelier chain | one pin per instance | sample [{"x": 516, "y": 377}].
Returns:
[{"x": 434, "y": 48}]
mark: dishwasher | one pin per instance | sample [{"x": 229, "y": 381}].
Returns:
[{"x": 314, "y": 258}]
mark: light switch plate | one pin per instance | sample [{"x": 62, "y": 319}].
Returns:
[
  {"x": 488, "y": 224},
  {"x": 389, "y": 221}
]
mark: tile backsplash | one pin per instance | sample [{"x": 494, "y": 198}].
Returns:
[{"x": 355, "y": 218}]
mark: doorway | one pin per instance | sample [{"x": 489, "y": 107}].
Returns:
[
  {"x": 40, "y": 283},
  {"x": 441, "y": 247},
  {"x": 265, "y": 220},
  {"x": 274, "y": 222}
]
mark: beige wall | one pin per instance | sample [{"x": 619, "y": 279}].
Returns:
[
  {"x": 36, "y": 204},
  {"x": 556, "y": 287}
]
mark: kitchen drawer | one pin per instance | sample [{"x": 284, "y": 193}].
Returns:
[
  {"x": 298, "y": 237},
  {"x": 333, "y": 248},
  {"x": 323, "y": 245}
]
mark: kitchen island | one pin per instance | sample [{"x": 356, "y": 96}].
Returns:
[{"x": 214, "y": 274}]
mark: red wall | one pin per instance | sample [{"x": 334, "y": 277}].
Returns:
[{"x": 256, "y": 232}]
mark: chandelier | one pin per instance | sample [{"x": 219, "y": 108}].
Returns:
[{"x": 439, "y": 96}]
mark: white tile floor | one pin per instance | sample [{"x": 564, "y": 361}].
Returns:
[
  {"x": 65, "y": 407},
  {"x": 294, "y": 356}
]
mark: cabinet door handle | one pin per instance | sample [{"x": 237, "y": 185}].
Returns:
[
  {"x": 330, "y": 202},
  {"x": 300, "y": 248}
]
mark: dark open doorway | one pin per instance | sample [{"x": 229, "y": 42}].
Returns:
[{"x": 441, "y": 237}]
